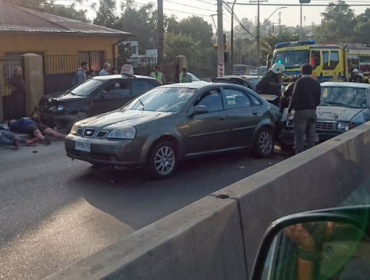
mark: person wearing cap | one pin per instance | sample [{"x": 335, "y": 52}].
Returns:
[
  {"x": 355, "y": 77},
  {"x": 271, "y": 83},
  {"x": 156, "y": 74},
  {"x": 185, "y": 77}
]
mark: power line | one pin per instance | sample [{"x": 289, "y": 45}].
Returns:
[
  {"x": 190, "y": 6},
  {"x": 299, "y": 5},
  {"x": 206, "y": 2},
  {"x": 238, "y": 20},
  {"x": 202, "y": 15}
]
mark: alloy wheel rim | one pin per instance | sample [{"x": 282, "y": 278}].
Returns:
[
  {"x": 265, "y": 142},
  {"x": 164, "y": 160}
]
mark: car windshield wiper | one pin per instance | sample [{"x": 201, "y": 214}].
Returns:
[{"x": 142, "y": 105}]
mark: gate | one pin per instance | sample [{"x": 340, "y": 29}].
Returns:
[{"x": 7, "y": 66}]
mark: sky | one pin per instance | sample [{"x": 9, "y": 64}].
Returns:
[{"x": 290, "y": 16}]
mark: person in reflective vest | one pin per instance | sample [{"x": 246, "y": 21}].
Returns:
[{"x": 156, "y": 74}]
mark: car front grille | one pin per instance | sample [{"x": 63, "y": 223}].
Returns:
[
  {"x": 323, "y": 126},
  {"x": 91, "y": 133},
  {"x": 91, "y": 156}
]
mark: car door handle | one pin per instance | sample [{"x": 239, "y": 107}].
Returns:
[
  {"x": 222, "y": 118},
  {"x": 255, "y": 113}
]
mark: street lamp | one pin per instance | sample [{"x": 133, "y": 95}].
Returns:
[{"x": 274, "y": 13}]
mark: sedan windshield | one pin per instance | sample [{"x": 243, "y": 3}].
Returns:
[
  {"x": 344, "y": 96},
  {"x": 291, "y": 59},
  {"x": 162, "y": 99},
  {"x": 87, "y": 87}
]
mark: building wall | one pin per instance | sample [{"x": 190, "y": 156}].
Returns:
[{"x": 56, "y": 44}]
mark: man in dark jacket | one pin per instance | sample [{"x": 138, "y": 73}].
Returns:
[
  {"x": 287, "y": 94},
  {"x": 271, "y": 83},
  {"x": 305, "y": 99}
]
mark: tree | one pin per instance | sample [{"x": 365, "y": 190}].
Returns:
[
  {"x": 337, "y": 24},
  {"x": 105, "y": 15},
  {"x": 198, "y": 29},
  {"x": 183, "y": 44},
  {"x": 269, "y": 41},
  {"x": 361, "y": 34}
]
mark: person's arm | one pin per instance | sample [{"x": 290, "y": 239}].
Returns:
[
  {"x": 261, "y": 86},
  {"x": 295, "y": 95},
  {"x": 318, "y": 95},
  {"x": 9, "y": 85}
]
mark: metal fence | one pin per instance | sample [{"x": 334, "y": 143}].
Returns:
[
  {"x": 60, "y": 69},
  {"x": 7, "y": 66}
]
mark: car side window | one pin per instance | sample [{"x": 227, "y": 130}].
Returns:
[
  {"x": 255, "y": 100},
  {"x": 212, "y": 100},
  {"x": 236, "y": 99},
  {"x": 140, "y": 87},
  {"x": 118, "y": 90}
]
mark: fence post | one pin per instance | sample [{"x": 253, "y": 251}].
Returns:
[{"x": 34, "y": 80}]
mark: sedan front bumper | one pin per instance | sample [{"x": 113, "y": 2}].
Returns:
[{"x": 104, "y": 151}]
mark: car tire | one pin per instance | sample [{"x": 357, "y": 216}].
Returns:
[
  {"x": 264, "y": 143},
  {"x": 163, "y": 160}
]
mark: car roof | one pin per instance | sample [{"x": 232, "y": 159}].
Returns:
[
  {"x": 239, "y": 76},
  {"x": 118, "y": 76},
  {"x": 345, "y": 84},
  {"x": 194, "y": 85}
]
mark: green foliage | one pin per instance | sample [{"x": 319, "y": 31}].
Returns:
[
  {"x": 105, "y": 15},
  {"x": 338, "y": 23},
  {"x": 269, "y": 41}
]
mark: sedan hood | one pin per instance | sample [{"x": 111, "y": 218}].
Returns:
[
  {"x": 333, "y": 113},
  {"x": 68, "y": 97},
  {"x": 122, "y": 118}
]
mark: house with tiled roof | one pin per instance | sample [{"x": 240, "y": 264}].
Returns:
[{"x": 63, "y": 44}]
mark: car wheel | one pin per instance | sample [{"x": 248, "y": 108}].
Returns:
[
  {"x": 264, "y": 143},
  {"x": 163, "y": 160}
]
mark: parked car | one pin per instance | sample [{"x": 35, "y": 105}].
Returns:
[
  {"x": 174, "y": 122},
  {"x": 194, "y": 78},
  {"x": 249, "y": 82},
  {"x": 253, "y": 72},
  {"x": 343, "y": 107},
  {"x": 97, "y": 95}
]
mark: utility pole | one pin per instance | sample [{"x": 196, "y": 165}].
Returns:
[
  {"x": 160, "y": 30},
  {"x": 301, "y": 28},
  {"x": 258, "y": 37},
  {"x": 220, "y": 41}
]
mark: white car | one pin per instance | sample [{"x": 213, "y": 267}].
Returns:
[{"x": 194, "y": 78}]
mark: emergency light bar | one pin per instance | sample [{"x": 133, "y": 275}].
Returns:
[{"x": 294, "y": 44}]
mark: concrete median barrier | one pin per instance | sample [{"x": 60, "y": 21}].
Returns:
[
  {"x": 205, "y": 240},
  {"x": 202, "y": 241}
]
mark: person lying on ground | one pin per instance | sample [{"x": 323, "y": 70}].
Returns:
[
  {"x": 38, "y": 130},
  {"x": 7, "y": 139}
]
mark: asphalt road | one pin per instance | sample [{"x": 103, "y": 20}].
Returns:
[{"x": 55, "y": 212}]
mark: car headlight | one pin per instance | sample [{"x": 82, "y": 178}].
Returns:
[
  {"x": 74, "y": 129},
  {"x": 344, "y": 126},
  {"x": 60, "y": 108},
  {"x": 122, "y": 133}
]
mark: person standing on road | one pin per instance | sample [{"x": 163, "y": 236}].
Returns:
[
  {"x": 105, "y": 70},
  {"x": 80, "y": 75},
  {"x": 156, "y": 74},
  {"x": 305, "y": 99},
  {"x": 271, "y": 83},
  {"x": 185, "y": 77},
  {"x": 18, "y": 95},
  {"x": 355, "y": 77}
]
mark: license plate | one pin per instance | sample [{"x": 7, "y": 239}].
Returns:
[{"x": 83, "y": 146}]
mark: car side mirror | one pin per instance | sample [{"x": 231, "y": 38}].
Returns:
[
  {"x": 198, "y": 110},
  {"x": 324, "y": 244},
  {"x": 103, "y": 94}
]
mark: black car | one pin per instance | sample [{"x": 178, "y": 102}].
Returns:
[
  {"x": 97, "y": 95},
  {"x": 248, "y": 81}
]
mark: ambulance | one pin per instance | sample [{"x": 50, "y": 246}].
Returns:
[{"x": 331, "y": 62}]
